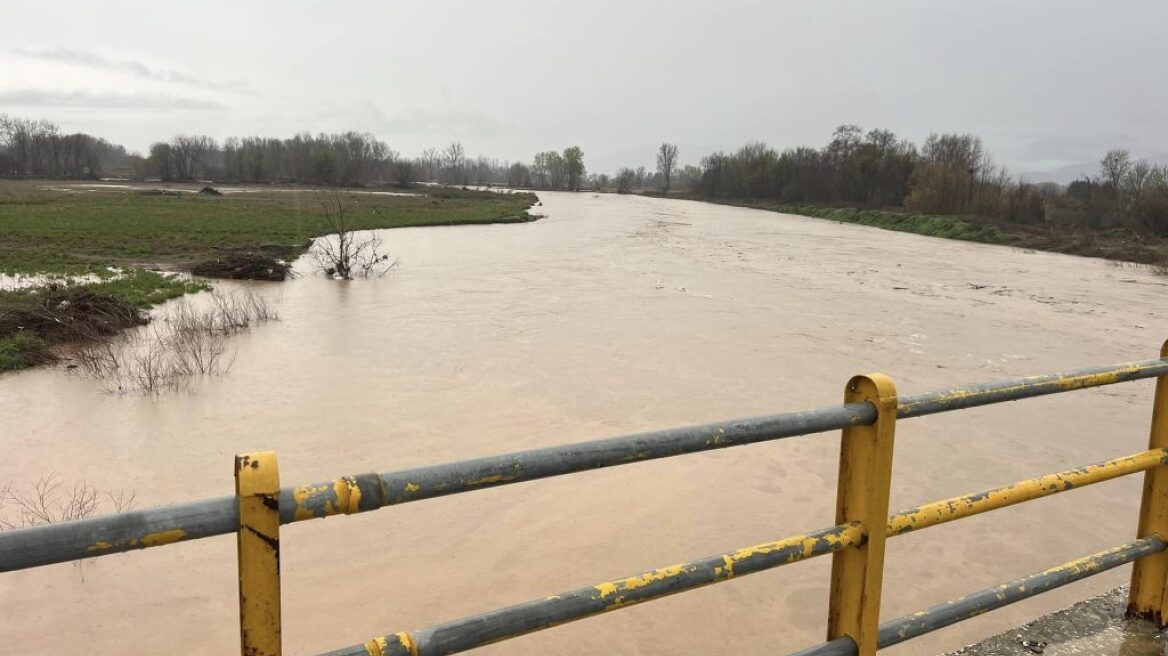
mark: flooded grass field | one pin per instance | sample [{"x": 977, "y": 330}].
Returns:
[{"x": 612, "y": 315}]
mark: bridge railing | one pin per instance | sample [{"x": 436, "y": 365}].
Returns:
[{"x": 867, "y": 419}]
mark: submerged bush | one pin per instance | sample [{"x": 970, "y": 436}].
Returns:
[{"x": 189, "y": 341}]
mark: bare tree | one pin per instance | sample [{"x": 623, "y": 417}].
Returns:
[
  {"x": 188, "y": 152},
  {"x": 345, "y": 252},
  {"x": 1114, "y": 166},
  {"x": 455, "y": 156},
  {"x": 666, "y": 164},
  {"x": 403, "y": 170},
  {"x": 431, "y": 158},
  {"x": 625, "y": 178}
]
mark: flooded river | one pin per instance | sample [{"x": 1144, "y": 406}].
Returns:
[{"x": 612, "y": 315}]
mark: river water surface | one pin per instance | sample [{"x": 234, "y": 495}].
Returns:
[{"x": 612, "y": 315}]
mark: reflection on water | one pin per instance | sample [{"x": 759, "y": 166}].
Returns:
[{"x": 611, "y": 315}]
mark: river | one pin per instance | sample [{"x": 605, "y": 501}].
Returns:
[{"x": 611, "y": 315}]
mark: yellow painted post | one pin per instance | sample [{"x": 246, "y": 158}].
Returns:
[
  {"x": 865, "y": 477},
  {"x": 257, "y": 486},
  {"x": 1150, "y": 573}
]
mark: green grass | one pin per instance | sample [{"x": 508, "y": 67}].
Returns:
[
  {"x": 24, "y": 350},
  {"x": 949, "y": 227},
  {"x": 143, "y": 289},
  {"x": 84, "y": 232},
  {"x": 59, "y": 235},
  {"x": 934, "y": 225},
  {"x": 138, "y": 288}
]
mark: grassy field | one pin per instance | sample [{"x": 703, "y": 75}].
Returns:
[
  {"x": 1118, "y": 244},
  {"x": 949, "y": 227},
  {"x": 88, "y": 230},
  {"x": 80, "y": 232}
]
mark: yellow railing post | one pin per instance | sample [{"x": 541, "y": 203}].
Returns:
[
  {"x": 865, "y": 477},
  {"x": 1150, "y": 573},
  {"x": 257, "y": 487}
]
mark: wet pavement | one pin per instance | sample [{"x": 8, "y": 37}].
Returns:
[{"x": 1095, "y": 627}]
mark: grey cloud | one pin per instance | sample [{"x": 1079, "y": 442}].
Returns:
[
  {"x": 417, "y": 121},
  {"x": 136, "y": 68},
  {"x": 90, "y": 100},
  {"x": 446, "y": 123}
]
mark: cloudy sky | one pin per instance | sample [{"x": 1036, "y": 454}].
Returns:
[{"x": 1048, "y": 84}]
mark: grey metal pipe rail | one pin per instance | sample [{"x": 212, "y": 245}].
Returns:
[
  {"x": 907, "y": 627},
  {"x": 56, "y": 543},
  {"x": 471, "y": 632},
  {"x": 478, "y": 630}
]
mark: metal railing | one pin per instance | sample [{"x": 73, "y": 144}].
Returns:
[{"x": 867, "y": 419}]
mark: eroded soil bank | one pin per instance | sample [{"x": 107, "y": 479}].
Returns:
[{"x": 614, "y": 314}]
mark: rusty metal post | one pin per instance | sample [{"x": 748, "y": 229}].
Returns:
[
  {"x": 1150, "y": 573},
  {"x": 865, "y": 477},
  {"x": 257, "y": 488}
]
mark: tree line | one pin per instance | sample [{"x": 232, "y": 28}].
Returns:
[
  {"x": 949, "y": 174},
  {"x": 31, "y": 148},
  {"x": 40, "y": 148}
]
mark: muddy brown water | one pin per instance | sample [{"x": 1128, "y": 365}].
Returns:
[{"x": 612, "y": 315}]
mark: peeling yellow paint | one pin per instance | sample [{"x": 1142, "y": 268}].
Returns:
[
  {"x": 948, "y": 510},
  {"x": 100, "y": 545},
  {"x": 348, "y": 495},
  {"x": 407, "y": 641},
  {"x": 606, "y": 589},
  {"x": 634, "y": 582},
  {"x": 163, "y": 537},
  {"x": 728, "y": 570},
  {"x": 301, "y": 496},
  {"x": 412, "y": 487},
  {"x": 487, "y": 480},
  {"x": 376, "y": 647}
]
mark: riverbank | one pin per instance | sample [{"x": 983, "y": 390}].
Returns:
[
  {"x": 1120, "y": 245},
  {"x": 121, "y": 245}
]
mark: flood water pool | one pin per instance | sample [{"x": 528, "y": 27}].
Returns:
[{"x": 612, "y": 315}]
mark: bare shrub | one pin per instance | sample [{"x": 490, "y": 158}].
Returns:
[
  {"x": 153, "y": 369},
  {"x": 191, "y": 341},
  {"x": 5, "y": 524},
  {"x": 97, "y": 359},
  {"x": 346, "y": 253},
  {"x": 46, "y": 501},
  {"x": 199, "y": 352},
  {"x": 237, "y": 311}
]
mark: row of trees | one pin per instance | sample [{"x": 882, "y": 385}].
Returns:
[
  {"x": 40, "y": 148},
  {"x": 33, "y": 148},
  {"x": 351, "y": 159},
  {"x": 947, "y": 174},
  {"x": 1127, "y": 192},
  {"x": 348, "y": 158},
  {"x": 668, "y": 175}
]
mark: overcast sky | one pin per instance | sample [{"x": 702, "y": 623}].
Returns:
[{"x": 1048, "y": 84}]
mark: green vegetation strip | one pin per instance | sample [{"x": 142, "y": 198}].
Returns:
[
  {"x": 84, "y": 232},
  {"x": 933, "y": 225}
]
